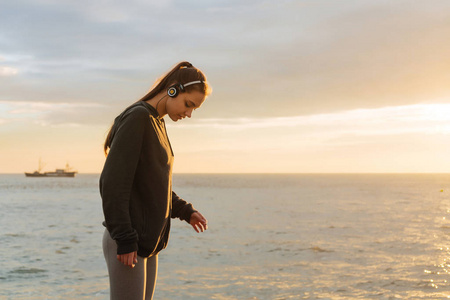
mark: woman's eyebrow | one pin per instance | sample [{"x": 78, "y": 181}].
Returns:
[{"x": 192, "y": 103}]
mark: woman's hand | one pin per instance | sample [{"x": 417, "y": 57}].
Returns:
[
  {"x": 128, "y": 259},
  {"x": 198, "y": 222}
]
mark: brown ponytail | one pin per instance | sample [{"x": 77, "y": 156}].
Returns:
[{"x": 183, "y": 72}]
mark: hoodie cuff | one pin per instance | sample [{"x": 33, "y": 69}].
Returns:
[{"x": 126, "y": 248}]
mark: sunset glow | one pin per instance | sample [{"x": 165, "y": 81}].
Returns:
[{"x": 308, "y": 87}]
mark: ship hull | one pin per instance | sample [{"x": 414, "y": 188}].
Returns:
[
  {"x": 35, "y": 174},
  {"x": 66, "y": 174},
  {"x": 51, "y": 174}
]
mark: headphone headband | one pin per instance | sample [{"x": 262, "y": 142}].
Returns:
[
  {"x": 179, "y": 87},
  {"x": 190, "y": 83}
]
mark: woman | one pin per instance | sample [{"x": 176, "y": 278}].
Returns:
[{"x": 136, "y": 182}]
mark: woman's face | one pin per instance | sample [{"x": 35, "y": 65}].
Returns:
[{"x": 184, "y": 104}]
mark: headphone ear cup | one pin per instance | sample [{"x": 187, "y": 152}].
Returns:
[{"x": 172, "y": 91}]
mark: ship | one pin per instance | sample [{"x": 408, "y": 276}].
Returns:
[{"x": 66, "y": 172}]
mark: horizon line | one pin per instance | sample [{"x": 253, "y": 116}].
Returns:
[{"x": 269, "y": 173}]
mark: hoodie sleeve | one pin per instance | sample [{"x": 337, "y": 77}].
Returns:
[
  {"x": 117, "y": 178},
  {"x": 181, "y": 209}
]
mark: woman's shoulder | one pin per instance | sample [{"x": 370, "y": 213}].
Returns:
[{"x": 136, "y": 111}]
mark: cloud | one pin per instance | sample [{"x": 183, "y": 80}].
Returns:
[
  {"x": 396, "y": 120},
  {"x": 411, "y": 138},
  {"x": 52, "y": 114},
  {"x": 370, "y": 55},
  {"x": 269, "y": 58},
  {"x": 8, "y": 71}
]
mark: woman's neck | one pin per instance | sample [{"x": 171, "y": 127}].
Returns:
[{"x": 159, "y": 103}]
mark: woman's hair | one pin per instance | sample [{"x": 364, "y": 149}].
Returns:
[{"x": 182, "y": 73}]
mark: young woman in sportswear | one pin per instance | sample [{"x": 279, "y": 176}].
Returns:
[{"x": 136, "y": 182}]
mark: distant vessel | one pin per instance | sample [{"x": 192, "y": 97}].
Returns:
[{"x": 66, "y": 172}]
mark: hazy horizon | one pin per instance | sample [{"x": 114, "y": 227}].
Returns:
[{"x": 250, "y": 173}]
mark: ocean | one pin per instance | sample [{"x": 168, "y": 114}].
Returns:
[{"x": 270, "y": 236}]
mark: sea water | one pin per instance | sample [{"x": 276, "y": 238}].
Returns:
[{"x": 286, "y": 236}]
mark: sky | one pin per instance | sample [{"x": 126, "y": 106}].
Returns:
[{"x": 298, "y": 86}]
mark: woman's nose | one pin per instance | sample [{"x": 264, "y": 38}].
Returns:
[{"x": 189, "y": 113}]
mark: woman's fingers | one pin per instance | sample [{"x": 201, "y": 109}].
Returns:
[
  {"x": 121, "y": 258},
  {"x": 205, "y": 224},
  {"x": 128, "y": 259},
  {"x": 201, "y": 218},
  {"x": 199, "y": 227},
  {"x": 199, "y": 222}
]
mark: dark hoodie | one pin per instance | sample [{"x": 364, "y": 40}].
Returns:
[{"x": 136, "y": 183}]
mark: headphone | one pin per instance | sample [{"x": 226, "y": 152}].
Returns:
[{"x": 177, "y": 88}]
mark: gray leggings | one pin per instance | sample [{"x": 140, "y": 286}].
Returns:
[{"x": 129, "y": 283}]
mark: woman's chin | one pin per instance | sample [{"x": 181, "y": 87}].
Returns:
[{"x": 174, "y": 118}]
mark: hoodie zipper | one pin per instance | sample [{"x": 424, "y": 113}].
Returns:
[{"x": 167, "y": 137}]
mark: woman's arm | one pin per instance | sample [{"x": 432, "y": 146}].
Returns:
[
  {"x": 117, "y": 178},
  {"x": 185, "y": 211},
  {"x": 181, "y": 209}
]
